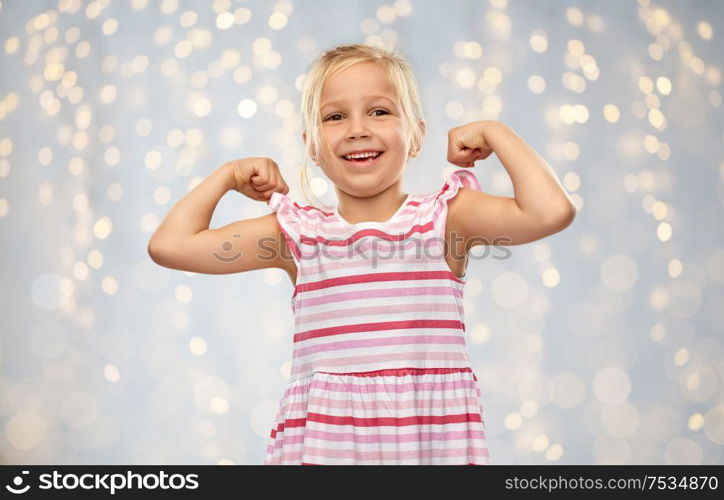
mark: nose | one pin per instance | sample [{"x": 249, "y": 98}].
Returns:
[{"x": 357, "y": 128}]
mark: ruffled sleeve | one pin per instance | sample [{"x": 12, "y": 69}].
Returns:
[
  {"x": 289, "y": 217},
  {"x": 458, "y": 179}
]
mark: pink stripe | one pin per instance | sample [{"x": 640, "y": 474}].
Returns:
[
  {"x": 378, "y": 326},
  {"x": 433, "y": 307},
  {"x": 377, "y": 277},
  {"x": 384, "y": 341},
  {"x": 408, "y": 437},
  {"x": 426, "y": 404},
  {"x": 422, "y": 453},
  {"x": 343, "y": 261},
  {"x": 383, "y": 292}
]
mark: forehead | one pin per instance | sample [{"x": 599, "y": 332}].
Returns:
[{"x": 358, "y": 82}]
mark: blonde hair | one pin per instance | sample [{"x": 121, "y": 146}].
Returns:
[{"x": 340, "y": 58}]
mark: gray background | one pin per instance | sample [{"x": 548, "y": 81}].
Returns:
[{"x": 600, "y": 344}]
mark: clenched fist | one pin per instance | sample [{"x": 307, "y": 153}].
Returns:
[
  {"x": 466, "y": 144},
  {"x": 256, "y": 178}
]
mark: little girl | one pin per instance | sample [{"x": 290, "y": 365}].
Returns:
[{"x": 380, "y": 373}]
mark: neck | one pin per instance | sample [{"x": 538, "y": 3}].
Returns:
[{"x": 376, "y": 208}]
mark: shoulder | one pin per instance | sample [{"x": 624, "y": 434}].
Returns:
[
  {"x": 291, "y": 211},
  {"x": 460, "y": 192}
]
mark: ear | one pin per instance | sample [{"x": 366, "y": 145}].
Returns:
[
  {"x": 415, "y": 148},
  {"x": 304, "y": 138}
]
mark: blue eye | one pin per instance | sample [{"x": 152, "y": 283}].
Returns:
[{"x": 339, "y": 114}]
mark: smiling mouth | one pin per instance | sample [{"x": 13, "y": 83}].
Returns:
[{"x": 363, "y": 161}]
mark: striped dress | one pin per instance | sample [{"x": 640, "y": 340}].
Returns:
[{"x": 380, "y": 373}]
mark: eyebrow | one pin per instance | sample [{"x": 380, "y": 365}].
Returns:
[{"x": 370, "y": 97}]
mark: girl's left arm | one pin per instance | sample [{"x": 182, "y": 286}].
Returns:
[{"x": 541, "y": 206}]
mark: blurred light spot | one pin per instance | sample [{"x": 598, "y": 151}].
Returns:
[
  {"x": 664, "y": 231},
  {"x": 80, "y": 270},
  {"x": 554, "y": 452},
  {"x": 277, "y": 21},
  {"x": 144, "y": 126},
  {"x": 102, "y": 228},
  {"x": 110, "y": 26},
  {"x": 25, "y": 430},
  {"x": 11, "y": 45},
  {"x": 219, "y": 405},
  {"x": 619, "y": 272},
  {"x": 111, "y": 373},
  {"x": 109, "y": 285},
  {"x": 571, "y": 151},
  {"x": 188, "y": 19},
  {"x": 681, "y": 356},
  {"x": 513, "y": 421},
  {"x": 183, "y": 294},
  {"x": 714, "y": 424},
  {"x": 225, "y": 20},
  {"x": 540, "y": 443},
  {"x": 162, "y": 195},
  {"x": 4, "y": 207},
  {"x": 197, "y": 346},
  {"x": 657, "y": 333},
  {"x": 538, "y": 42},
  {"x": 153, "y": 159},
  {"x": 611, "y": 385},
  {"x": 696, "y": 422},
  {"x": 551, "y": 277},
  {"x": 571, "y": 181},
  {"x": 611, "y": 113},
  {"x": 246, "y": 108},
  {"x": 536, "y": 84},
  {"x": 480, "y": 334},
  {"x": 620, "y": 420},
  {"x": 698, "y": 384},
  {"x": 704, "y": 29},
  {"x": 242, "y": 15},
  {"x": 285, "y": 370},
  {"x": 663, "y": 85},
  {"x": 210, "y": 393},
  {"x": 319, "y": 186},
  {"x": 574, "y": 16},
  {"x": 386, "y": 14}
]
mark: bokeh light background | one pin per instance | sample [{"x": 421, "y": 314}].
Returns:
[{"x": 601, "y": 344}]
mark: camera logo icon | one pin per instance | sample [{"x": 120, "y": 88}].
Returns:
[{"x": 18, "y": 489}]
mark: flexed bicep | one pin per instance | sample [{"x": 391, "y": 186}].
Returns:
[{"x": 485, "y": 219}]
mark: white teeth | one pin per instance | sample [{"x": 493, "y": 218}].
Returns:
[{"x": 361, "y": 155}]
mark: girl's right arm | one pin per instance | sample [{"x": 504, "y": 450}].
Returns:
[{"x": 184, "y": 241}]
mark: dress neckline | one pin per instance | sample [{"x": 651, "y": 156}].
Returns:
[{"x": 373, "y": 223}]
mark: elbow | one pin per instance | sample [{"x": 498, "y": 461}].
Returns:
[
  {"x": 562, "y": 218},
  {"x": 157, "y": 250}
]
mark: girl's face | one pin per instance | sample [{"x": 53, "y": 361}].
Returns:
[{"x": 360, "y": 112}]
